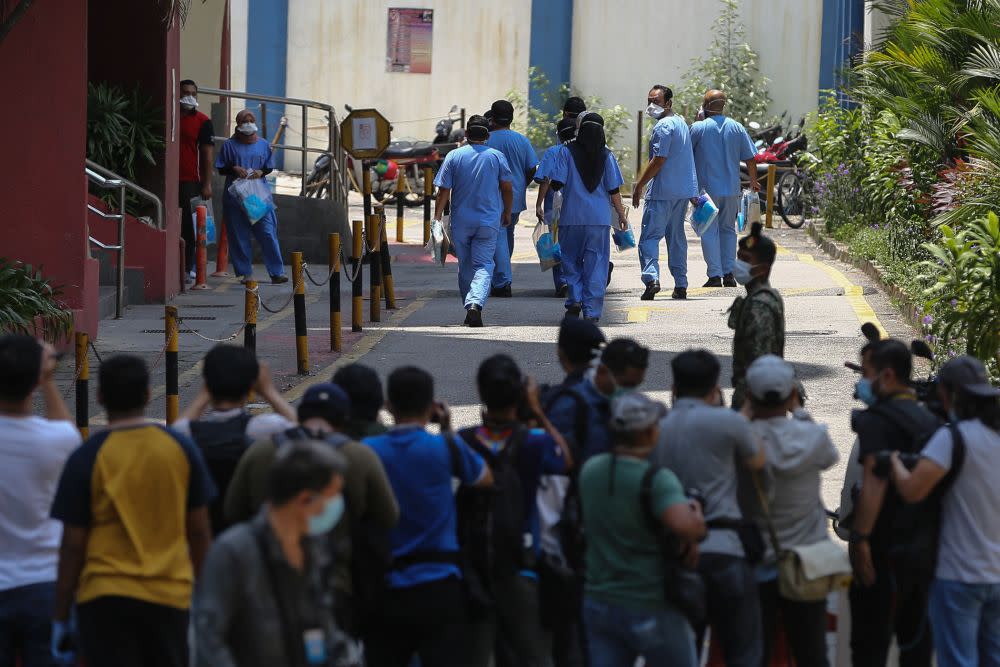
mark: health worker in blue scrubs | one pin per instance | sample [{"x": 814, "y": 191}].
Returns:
[
  {"x": 477, "y": 180},
  {"x": 672, "y": 182},
  {"x": 544, "y": 209},
  {"x": 522, "y": 160},
  {"x": 589, "y": 179},
  {"x": 719, "y": 144}
]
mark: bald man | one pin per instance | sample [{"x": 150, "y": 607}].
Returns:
[{"x": 719, "y": 144}]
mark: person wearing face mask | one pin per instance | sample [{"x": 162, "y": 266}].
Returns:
[
  {"x": 573, "y": 107},
  {"x": 672, "y": 182},
  {"x": 263, "y": 600},
  {"x": 757, "y": 319},
  {"x": 719, "y": 144},
  {"x": 247, "y": 155},
  {"x": 622, "y": 367},
  {"x": 889, "y": 593},
  {"x": 194, "y": 163},
  {"x": 545, "y": 208}
]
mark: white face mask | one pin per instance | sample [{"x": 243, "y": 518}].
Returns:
[
  {"x": 247, "y": 128},
  {"x": 655, "y": 110},
  {"x": 742, "y": 272},
  {"x": 189, "y": 102}
]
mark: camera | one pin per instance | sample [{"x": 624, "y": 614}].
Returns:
[{"x": 883, "y": 462}]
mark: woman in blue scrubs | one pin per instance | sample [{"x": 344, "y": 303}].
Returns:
[
  {"x": 545, "y": 211},
  {"x": 589, "y": 179}
]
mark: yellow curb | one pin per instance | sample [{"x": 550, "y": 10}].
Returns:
[{"x": 853, "y": 293}]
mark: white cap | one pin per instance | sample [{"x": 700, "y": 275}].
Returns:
[{"x": 770, "y": 378}]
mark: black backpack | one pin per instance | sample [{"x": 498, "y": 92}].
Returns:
[{"x": 222, "y": 444}]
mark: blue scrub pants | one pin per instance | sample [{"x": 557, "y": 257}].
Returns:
[
  {"x": 664, "y": 218},
  {"x": 239, "y": 231},
  {"x": 718, "y": 245},
  {"x": 503, "y": 274},
  {"x": 586, "y": 250},
  {"x": 475, "y": 247}
]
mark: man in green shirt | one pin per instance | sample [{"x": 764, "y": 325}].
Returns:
[{"x": 625, "y": 612}]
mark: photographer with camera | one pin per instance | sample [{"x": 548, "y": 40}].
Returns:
[
  {"x": 891, "y": 567},
  {"x": 960, "y": 465}
]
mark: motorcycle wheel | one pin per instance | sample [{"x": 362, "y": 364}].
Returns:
[{"x": 794, "y": 203}]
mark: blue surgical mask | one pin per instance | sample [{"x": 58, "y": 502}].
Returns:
[
  {"x": 325, "y": 521},
  {"x": 864, "y": 392},
  {"x": 742, "y": 272}
]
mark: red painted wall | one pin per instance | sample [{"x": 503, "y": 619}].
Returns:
[{"x": 43, "y": 191}]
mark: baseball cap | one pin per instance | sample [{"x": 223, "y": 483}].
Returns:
[
  {"x": 328, "y": 395},
  {"x": 635, "y": 411},
  {"x": 968, "y": 374},
  {"x": 771, "y": 379},
  {"x": 503, "y": 111},
  {"x": 581, "y": 334}
]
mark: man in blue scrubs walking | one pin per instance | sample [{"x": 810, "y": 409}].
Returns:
[
  {"x": 523, "y": 161},
  {"x": 672, "y": 181},
  {"x": 477, "y": 180},
  {"x": 719, "y": 144}
]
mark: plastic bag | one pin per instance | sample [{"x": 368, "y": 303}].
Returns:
[
  {"x": 546, "y": 247},
  {"x": 254, "y": 196},
  {"x": 749, "y": 209},
  {"x": 209, "y": 219},
  {"x": 440, "y": 236},
  {"x": 704, "y": 214},
  {"x": 624, "y": 238}
]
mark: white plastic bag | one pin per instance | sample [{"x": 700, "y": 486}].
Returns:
[
  {"x": 749, "y": 209},
  {"x": 546, "y": 247},
  {"x": 254, "y": 196},
  {"x": 437, "y": 246},
  {"x": 704, "y": 214},
  {"x": 624, "y": 238}
]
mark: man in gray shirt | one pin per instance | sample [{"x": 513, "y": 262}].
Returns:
[{"x": 703, "y": 443}]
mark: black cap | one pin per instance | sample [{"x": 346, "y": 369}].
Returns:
[
  {"x": 581, "y": 334},
  {"x": 503, "y": 111},
  {"x": 574, "y": 106},
  {"x": 477, "y": 128},
  {"x": 969, "y": 375}
]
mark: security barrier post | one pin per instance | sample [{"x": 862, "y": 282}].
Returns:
[
  {"x": 400, "y": 186},
  {"x": 170, "y": 331},
  {"x": 374, "y": 237},
  {"x": 250, "y": 316},
  {"x": 335, "y": 333},
  {"x": 428, "y": 195},
  {"x": 357, "y": 246},
  {"x": 299, "y": 300},
  {"x": 387, "y": 285},
  {"x": 82, "y": 384},
  {"x": 221, "y": 249},
  {"x": 201, "y": 248},
  {"x": 366, "y": 188},
  {"x": 772, "y": 171}
]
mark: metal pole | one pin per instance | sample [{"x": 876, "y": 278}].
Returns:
[
  {"x": 638, "y": 147},
  {"x": 82, "y": 385},
  {"x": 374, "y": 269},
  {"x": 357, "y": 245},
  {"x": 772, "y": 171},
  {"x": 299, "y": 300},
  {"x": 120, "y": 275},
  {"x": 170, "y": 332},
  {"x": 428, "y": 194},
  {"x": 335, "y": 333},
  {"x": 305, "y": 144},
  {"x": 366, "y": 188},
  {"x": 400, "y": 186},
  {"x": 263, "y": 119},
  {"x": 387, "y": 284},
  {"x": 463, "y": 118},
  {"x": 250, "y": 305}
]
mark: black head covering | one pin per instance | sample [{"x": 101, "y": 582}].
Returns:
[
  {"x": 573, "y": 107},
  {"x": 566, "y": 129},
  {"x": 761, "y": 246},
  {"x": 590, "y": 150}
]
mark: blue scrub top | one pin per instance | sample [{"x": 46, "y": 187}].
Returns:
[
  {"x": 257, "y": 155},
  {"x": 521, "y": 159},
  {"x": 581, "y": 207},
  {"x": 677, "y": 179},
  {"x": 473, "y": 173},
  {"x": 549, "y": 159},
  {"x": 719, "y": 145}
]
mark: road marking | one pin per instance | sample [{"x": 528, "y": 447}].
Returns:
[{"x": 854, "y": 294}]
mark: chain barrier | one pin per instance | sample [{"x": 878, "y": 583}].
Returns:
[
  {"x": 305, "y": 268},
  {"x": 180, "y": 321},
  {"x": 266, "y": 307}
]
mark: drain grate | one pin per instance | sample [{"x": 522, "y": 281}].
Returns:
[
  {"x": 163, "y": 331},
  {"x": 806, "y": 334},
  {"x": 202, "y": 318},
  {"x": 208, "y": 305}
]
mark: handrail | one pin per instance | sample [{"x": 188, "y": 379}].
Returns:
[
  {"x": 117, "y": 181},
  {"x": 218, "y": 92},
  {"x": 92, "y": 170}
]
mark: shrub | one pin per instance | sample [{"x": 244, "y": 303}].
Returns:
[{"x": 28, "y": 300}]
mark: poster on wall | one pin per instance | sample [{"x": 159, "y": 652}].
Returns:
[{"x": 408, "y": 46}]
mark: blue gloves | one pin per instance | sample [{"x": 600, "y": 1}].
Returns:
[{"x": 63, "y": 644}]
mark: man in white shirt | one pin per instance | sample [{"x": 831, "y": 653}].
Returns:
[{"x": 32, "y": 453}]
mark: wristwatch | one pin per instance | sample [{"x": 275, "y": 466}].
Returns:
[{"x": 856, "y": 538}]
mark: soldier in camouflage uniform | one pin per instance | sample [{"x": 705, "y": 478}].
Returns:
[{"x": 759, "y": 317}]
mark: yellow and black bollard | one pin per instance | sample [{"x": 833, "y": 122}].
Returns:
[
  {"x": 357, "y": 248},
  {"x": 170, "y": 332},
  {"x": 387, "y": 285},
  {"x": 428, "y": 195},
  {"x": 400, "y": 197},
  {"x": 374, "y": 236},
  {"x": 82, "y": 385},
  {"x": 250, "y": 316},
  {"x": 335, "y": 333},
  {"x": 299, "y": 302},
  {"x": 772, "y": 172},
  {"x": 366, "y": 189}
]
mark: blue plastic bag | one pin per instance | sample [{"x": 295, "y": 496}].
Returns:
[
  {"x": 209, "y": 218},
  {"x": 624, "y": 239},
  {"x": 704, "y": 214},
  {"x": 547, "y": 247},
  {"x": 749, "y": 209},
  {"x": 254, "y": 196}
]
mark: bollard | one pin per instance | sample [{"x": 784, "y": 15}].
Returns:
[
  {"x": 250, "y": 305},
  {"x": 299, "y": 301},
  {"x": 387, "y": 285},
  {"x": 221, "y": 249},
  {"x": 428, "y": 195},
  {"x": 335, "y": 333},
  {"x": 366, "y": 188},
  {"x": 201, "y": 248},
  {"x": 357, "y": 247},
  {"x": 170, "y": 331},
  {"x": 772, "y": 171},
  {"x": 374, "y": 236},
  {"x": 82, "y": 385},
  {"x": 400, "y": 198}
]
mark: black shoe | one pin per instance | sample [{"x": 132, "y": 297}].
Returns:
[
  {"x": 574, "y": 310},
  {"x": 278, "y": 280},
  {"x": 562, "y": 291},
  {"x": 680, "y": 293},
  {"x": 611, "y": 268},
  {"x": 713, "y": 282},
  {"x": 474, "y": 316},
  {"x": 595, "y": 320},
  {"x": 501, "y": 292},
  {"x": 729, "y": 281},
  {"x": 652, "y": 289}
]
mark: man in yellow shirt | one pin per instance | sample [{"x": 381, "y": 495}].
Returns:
[{"x": 133, "y": 501}]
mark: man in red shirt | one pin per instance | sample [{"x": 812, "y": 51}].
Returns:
[{"x": 196, "y": 149}]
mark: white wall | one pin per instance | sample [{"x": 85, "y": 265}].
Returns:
[{"x": 876, "y": 21}]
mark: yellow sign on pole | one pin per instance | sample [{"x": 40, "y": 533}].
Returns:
[{"x": 365, "y": 133}]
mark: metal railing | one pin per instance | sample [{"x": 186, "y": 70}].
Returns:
[
  {"x": 339, "y": 183},
  {"x": 138, "y": 190}
]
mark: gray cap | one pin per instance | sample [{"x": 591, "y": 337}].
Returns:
[
  {"x": 635, "y": 411},
  {"x": 770, "y": 378},
  {"x": 969, "y": 375}
]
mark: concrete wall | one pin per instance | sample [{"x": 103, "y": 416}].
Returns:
[
  {"x": 876, "y": 22},
  {"x": 200, "y": 53}
]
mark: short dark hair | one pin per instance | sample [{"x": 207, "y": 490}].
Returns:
[
  {"x": 761, "y": 247},
  {"x": 123, "y": 381},
  {"x": 364, "y": 388},
  {"x": 623, "y": 353},
  {"x": 230, "y": 372},
  {"x": 411, "y": 391},
  {"x": 187, "y": 82},
  {"x": 667, "y": 93},
  {"x": 894, "y": 354},
  {"x": 500, "y": 382},
  {"x": 574, "y": 106},
  {"x": 696, "y": 373},
  {"x": 302, "y": 465},
  {"x": 20, "y": 366}
]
